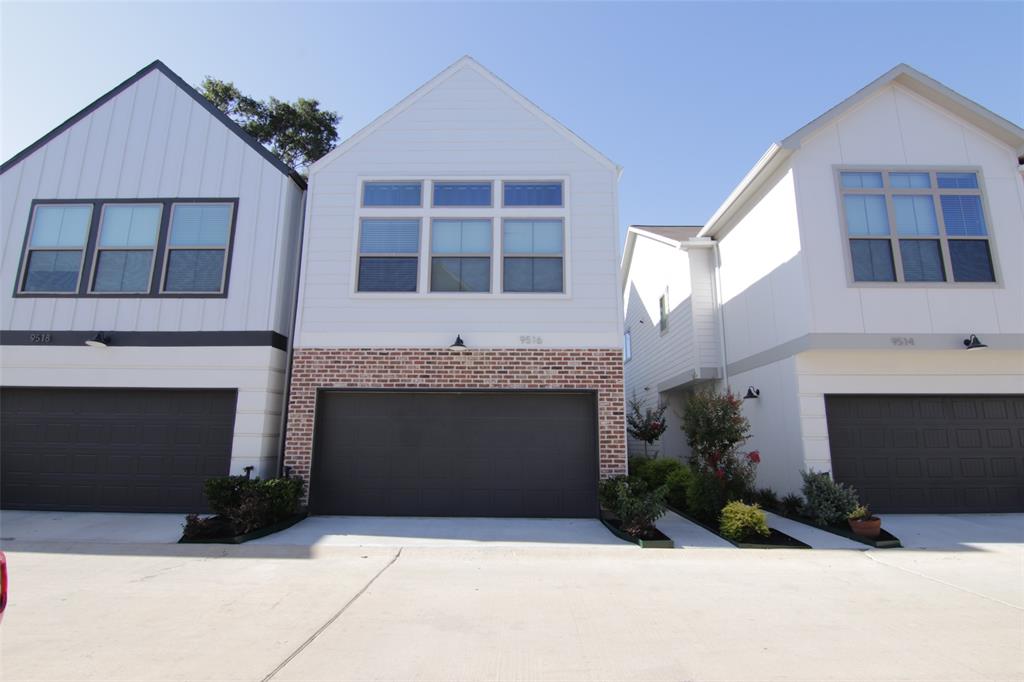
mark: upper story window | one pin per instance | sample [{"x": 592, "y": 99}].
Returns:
[
  {"x": 109, "y": 247},
  {"x": 392, "y": 194},
  {"x": 388, "y": 255},
  {"x": 462, "y": 194},
  {"x": 627, "y": 346},
  {"x": 915, "y": 226},
  {"x": 460, "y": 255},
  {"x": 532, "y": 194},
  {"x": 663, "y": 312},
  {"x": 533, "y": 255}
]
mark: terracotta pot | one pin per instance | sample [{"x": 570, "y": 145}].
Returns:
[{"x": 869, "y": 528}]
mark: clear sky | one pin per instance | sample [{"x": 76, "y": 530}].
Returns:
[{"x": 686, "y": 96}]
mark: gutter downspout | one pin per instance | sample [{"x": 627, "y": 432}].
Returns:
[{"x": 720, "y": 311}]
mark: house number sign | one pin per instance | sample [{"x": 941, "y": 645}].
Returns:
[
  {"x": 39, "y": 338},
  {"x": 530, "y": 339},
  {"x": 902, "y": 340}
]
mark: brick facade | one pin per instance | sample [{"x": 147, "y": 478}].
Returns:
[{"x": 597, "y": 369}]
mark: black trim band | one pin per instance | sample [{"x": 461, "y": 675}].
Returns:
[{"x": 15, "y": 337}]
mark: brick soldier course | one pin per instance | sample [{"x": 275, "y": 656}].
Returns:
[{"x": 598, "y": 370}]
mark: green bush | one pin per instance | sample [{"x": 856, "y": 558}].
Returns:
[
  {"x": 608, "y": 491},
  {"x": 663, "y": 472},
  {"x": 791, "y": 504},
  {"x": 705, "y": 496},
  {"x": 740, "y": 521},
  {"x": 766, "y": 498},
  {"x": 636, "y": 506},
  {"x": 678, "y": 482},
  {"x": 250, "y": 504},
  {"x": 828, "y": 503}
]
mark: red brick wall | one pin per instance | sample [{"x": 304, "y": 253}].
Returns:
[{"x": 398, "y": 368}]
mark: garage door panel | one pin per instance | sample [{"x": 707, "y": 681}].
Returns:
[{"x": 946, "y": 454}]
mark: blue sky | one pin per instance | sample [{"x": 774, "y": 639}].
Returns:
[{"x": 685, "y": 95}]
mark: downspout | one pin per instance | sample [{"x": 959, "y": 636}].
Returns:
[{"x": 720, "y": 311}]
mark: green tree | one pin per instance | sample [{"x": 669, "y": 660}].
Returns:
[{"x": 298, "y": 132}]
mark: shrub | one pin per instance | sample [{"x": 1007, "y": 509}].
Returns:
[
  {"x": 715, "y": 428},
  {"x": 247, "y": 504},
  {"x": 608, "y": 491},
  {"x": 653, "y": 472},
  {"x": 705, "y": 496},
  {"x": 828, "y": 502},
  {"x": 740, "y": 521},
  {"x": 677, "y": 483},
  {"x": 644, "y": 423},
  {"x": 636, "y": 506},
  {"x": 766, "y": 498},
  {"x": 792, "y": 504}
]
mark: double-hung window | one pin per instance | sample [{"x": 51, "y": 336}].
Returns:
[
  {"x": 533, "y": 253},
  {"x": 389, "y": 251},
  {"x": 197, "y": 247},
  {"x": 915, "y": 226},
  {"x": 460, "y": 255},
  {"x": 56, "y": 246},
  {"x": 126, "y": 247}
]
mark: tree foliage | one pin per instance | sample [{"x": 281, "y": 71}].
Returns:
[
  {"x": 298, "y": 132},
  {"x": 645, "y": 423}
]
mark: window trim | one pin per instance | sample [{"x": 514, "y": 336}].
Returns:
[
  {"x": 894, "y": 237},
  {"x": 90, "y": 251},
  {"x": 561, "y": 256},
  {"x": 517, "y": 181},
  {"x": 431, "y": 255},
  {"x": 26, "y": 251},
  {"x": 417, "y": 254},
  {"x": 96, "y": 252}
]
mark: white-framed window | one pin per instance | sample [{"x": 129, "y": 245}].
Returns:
[
  {"x": 460, "y": 255},
  {"x": 55, "y": 250},
  {"x": 915, "y": 226},
  {"x": 126, "y": 248},
  {"x": 197, "y": 248},
  {"x": 389, "y": 250},
  {"x": 517, "y": 193},
  {"x": 532, "y": 255},
  {"x": 462, "y": 193},
  {"x": 389, "y": 194},
  {"x": 627, "y": 346},
  {"x": 663, "y": 312}
]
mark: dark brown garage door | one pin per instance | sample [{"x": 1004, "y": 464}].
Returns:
[
  {"x": 95, "y": 449},
  {"x": 954, "y": 453},
  {"x": 455, "y": 454}
]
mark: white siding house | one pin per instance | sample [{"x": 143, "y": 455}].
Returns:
[
  {"x": 463, "y": 211},
  {"x": 854, "y": 260},
  {"x": 150, "y": 221}
]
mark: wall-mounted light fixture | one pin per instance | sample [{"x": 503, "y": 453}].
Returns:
[
  {"x": 101, "y": 340},
  {"x": 459, "y": 345},
  {"x": 752, "y": 393},
  {"x": 973, "y": 343}
]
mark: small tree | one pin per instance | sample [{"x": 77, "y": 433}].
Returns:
[
  {"x": 715, "y": 429},
  {"x": 645, "y": 424}
]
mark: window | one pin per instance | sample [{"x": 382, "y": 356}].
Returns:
[
  {"x": 663, "y": 312},
  {"x": 533, "y": 194},
  {"x": 627, "y": 346},
  {"x": 56, "y": 246},
  {"x": 461, "y": 255},
  {"x": 125, "y": 248},
  {"x": 388, "y": 255},
  {"x": 916, "y": 226},
  {"x": 533, "y": 251},
  {"x": 462, "y": 194},
  {"x": 197, "y": 247},
  {"x": 392, "y": 194}
]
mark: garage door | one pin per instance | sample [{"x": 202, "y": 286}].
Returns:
[
  {"x": 95, "y": 449},
  {"x": 455, "y": 454},
  {"x": 954, "y": 453}
]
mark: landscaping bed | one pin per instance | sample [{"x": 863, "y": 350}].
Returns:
[
  {"x": 648, "y": 539},
  {"x": 775, "y": 540},
  {"x": 885, "y": 539},
  {"x": 245, "y": 509},
  {"x": 221, "y": 530}
]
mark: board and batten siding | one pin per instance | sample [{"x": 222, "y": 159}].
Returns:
[
  {"x": 152, "y": 140},
  {"x": 464, "y": 128}
]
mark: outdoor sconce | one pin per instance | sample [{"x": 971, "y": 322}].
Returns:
[
  {"x": 752, "y": 393},
  {"x": 101, "y": 340},
  {"x": 973, "y": 343},
  {"x": 459, "y": 345}
]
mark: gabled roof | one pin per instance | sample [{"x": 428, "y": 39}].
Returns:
[
  {"x": 190, "y": 91},
  {"x": 908, "y": 77},
  {"x": 464, "y": 63},
  {"x": 674, "y": 236}
]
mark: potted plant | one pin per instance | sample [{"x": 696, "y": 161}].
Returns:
[{"x": 864, "y": 523}]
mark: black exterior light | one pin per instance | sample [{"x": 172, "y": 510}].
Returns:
[
  {"x": 973, "y": 343},
  {"x": 101, "y": 340},
  {"x": 459, "y": 344},
  {"x": 752, "y": 393}
]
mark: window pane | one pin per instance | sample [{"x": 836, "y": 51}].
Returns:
[
  {"x": 922, "y": 260},
  {"x": 124, "y": 271},
  {"x": 909, "y": 180},
  {"x": 533, "y": 274},
  {"x": 130, "y": 225},
  {"x": 529, "y": 236},
  {"x": 392, "y": 193},
  {"x": 389, "y": 236},
  {"x": 872, "y": 260},
  {"x": 387, "y": 274},
  {"x": 194, "y": 270},
  {"x": 547, "y": 236},
  {"x": 200, "y": 224},
  {"x": 963, "y": 215},
  {"x": 518, "y": 236},
  {"x": 462, "y": 194},
  {"x": 861, "y": 180},
  {"x": 533, "y": 194},
  {"x": 957, "y": 180},
  {"x": 915, "y": 214},
  {"x": 461, "y": 236},
  {"x": 52, "y": 271},
  {"x": 460, "y": 274},
  {"x": 971, "y": 260},
  {"x": 61, "y": 225},
  {"x": 866, "y": 214}
]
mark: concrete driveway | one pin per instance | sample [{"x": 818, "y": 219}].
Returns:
[{"x": 542, "y": 611}]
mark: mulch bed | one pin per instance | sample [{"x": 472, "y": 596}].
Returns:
[
  {"x": 885, "y": 539},
  {"x": 651, "y": 539},
  {"x": 220, "y": 530},
  {"x": 775, "y": 540}
]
